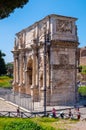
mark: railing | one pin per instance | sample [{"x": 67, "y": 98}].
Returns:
[
  {"x": 40, "y": 114},
  {"x": 25, "y": 101},
  {"x": 22, "y": 100},
  {"x": 21, "y": 114}
]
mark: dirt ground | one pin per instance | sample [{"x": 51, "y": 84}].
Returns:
[{"x": 81, "y": 125}]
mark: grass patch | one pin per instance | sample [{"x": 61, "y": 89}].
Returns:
[
  {"x": 46, "y": 122},
  {"x": 5, "y": 82},
  {"x": 40, "y": 123}
]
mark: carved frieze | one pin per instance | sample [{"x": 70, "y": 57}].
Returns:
[
  {"x": 57, "y": 67},
  {"x": 63, "y": 26},
  {"x": 60, "y": 43}
]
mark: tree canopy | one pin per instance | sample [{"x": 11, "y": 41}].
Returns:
[
  {"x": 2, "y": 64},
  {"x": 8, "y": 6}
]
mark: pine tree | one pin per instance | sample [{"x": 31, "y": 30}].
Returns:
[{"x": 8, "y": 6}]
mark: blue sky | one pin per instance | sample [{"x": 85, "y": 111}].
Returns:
[{"x": 34, "y": 11}]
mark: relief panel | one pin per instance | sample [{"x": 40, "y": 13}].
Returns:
[
  {"x": 64, "y": 26},
  {"x": 63, "y": 59},
  {"x": 30, "y": 35},
  {"x": 64, "y": 29},
  {"x": 42, "y": 29}
]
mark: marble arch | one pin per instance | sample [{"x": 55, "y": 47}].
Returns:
[{"x": 61, "y": 63}]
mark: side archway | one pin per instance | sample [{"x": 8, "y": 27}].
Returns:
[{"x": 29, "y": 72}]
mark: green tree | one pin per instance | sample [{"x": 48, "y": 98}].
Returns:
[
  {"x": 2, "y": 64},
  {"x": 8, "y": 6},
  {"x": 9, "y": 67}
]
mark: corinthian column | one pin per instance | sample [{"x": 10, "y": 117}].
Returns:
[
  {"x": 21, "y": 69},
  {"x": 37, "y": 71},
  {"x": 14, "y": 70},
  {"x": 17, "y": 70},
  {"x": 34, "y": 70}
]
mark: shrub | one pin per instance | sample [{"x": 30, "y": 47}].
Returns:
[
  {"x": 82, "y": 90},
  {"x": 23, "y": 125}
]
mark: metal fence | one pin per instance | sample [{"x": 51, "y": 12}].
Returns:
[
  {"x": 60, "y": 114},
  {"x": 22, "y": 100},
  {"x": 21, "y": 114}
]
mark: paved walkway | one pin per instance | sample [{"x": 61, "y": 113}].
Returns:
[{"x": 6, "y": 106}]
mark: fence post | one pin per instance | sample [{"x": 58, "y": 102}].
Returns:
[
  {"x": 22, "y": 114},
  {"x": 9, "y": 114}
]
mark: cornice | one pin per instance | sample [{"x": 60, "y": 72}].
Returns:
[
  {"x": 44, "y": 19},
  {"x": 55, "y": 67},
  {"x": 62, "y": 43}
]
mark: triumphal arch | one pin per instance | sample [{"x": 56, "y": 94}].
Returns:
[{"x": 45, "y": 59}]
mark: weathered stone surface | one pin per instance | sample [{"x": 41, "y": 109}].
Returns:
[
  {"x": 83, "y": 56},
  {"x": 45, "y": 57}
]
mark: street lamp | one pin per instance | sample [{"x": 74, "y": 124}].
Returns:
[
  {"x": 45, "y": 74},
  {"x": 46, "y": 43}
]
